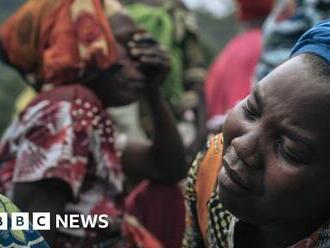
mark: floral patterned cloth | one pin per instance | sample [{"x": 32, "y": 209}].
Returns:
[
  {"x": 65, "y": 134},
  {"x": 221, "y": 223}
]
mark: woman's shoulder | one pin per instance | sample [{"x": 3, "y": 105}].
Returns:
[
  {"x": 203, "y": 197},
  {"x": 74, "y": 93},
  {"x": 65, "y": 101},
  {"x": 66, "y": 106}
]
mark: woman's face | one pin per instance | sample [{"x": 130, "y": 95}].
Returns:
[
  {"x": 123, "y": 83},
  {"x": 277, "y": 149}
]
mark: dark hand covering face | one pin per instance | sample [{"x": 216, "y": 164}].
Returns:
[
  {"x": 65, "y": 132},
  {"x": 315, "y": 41}
]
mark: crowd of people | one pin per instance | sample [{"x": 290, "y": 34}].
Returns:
[{"x": 122, "y": 117}]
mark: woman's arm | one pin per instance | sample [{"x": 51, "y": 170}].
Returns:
[{"x": 164, "y": 159}]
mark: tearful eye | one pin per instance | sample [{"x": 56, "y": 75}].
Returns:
[
  {"x": 290, "y": 154},
  {"x": 251, "y": 112}
]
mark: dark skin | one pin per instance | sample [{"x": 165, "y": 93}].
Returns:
[
  {"x": 134, "y": 75},
  {"x": 193, "y": 86},
  {"x": 143, "y": 67},
  {"x": 276, "y": 158}
]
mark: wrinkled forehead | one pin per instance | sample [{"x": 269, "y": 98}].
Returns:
[
  {"x": 290, "y": 80},
  {"x": 293, "y": 95}
]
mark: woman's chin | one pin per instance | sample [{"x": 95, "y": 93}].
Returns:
[{"x": 240, "y": 206}]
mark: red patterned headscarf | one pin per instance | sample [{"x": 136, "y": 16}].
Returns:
[
  {"x": 254, "y": 9},
  {"x": 60, "y": 40}
]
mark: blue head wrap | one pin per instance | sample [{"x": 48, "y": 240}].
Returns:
[{"x": 316, "y": 41}]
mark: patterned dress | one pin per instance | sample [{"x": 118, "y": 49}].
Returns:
[
  {"x": 221, "y": 224},
  {"x": 65, "y": 134}
]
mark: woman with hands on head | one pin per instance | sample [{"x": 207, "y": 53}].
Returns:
[{"x": 62, "y": 148}]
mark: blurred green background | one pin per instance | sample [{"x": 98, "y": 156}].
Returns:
[{"x": 214, "y": 33}]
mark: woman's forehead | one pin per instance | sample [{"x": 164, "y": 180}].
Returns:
[
  {"x": 292, "y": 96},
  {"x": 294, "y": 79}
]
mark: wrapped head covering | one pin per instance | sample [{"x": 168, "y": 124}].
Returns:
[
  {"x": 60, "y": 40},
  {"x": 316, "y": 40},
  {"x": 254, "y": 9}
]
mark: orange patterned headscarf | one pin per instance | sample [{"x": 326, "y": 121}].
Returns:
[{"x": 60, "y": 40}]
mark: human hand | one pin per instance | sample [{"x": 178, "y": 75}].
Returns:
[{"x": 153, "y": 59}]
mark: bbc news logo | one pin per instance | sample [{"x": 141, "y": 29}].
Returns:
[{"x": 42, "y": 221}]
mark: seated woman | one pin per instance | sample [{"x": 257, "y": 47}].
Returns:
[
  {"x": 265, "y": 182},
  {"x": 60, "y": 154}
]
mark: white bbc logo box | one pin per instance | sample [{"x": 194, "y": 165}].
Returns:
[
  {"x": 41, "y": 221},
  {"x": 21, "y": 221}
]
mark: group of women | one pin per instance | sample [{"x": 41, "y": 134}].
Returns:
[
  {"x": 61, "y": 154},
  {"x": 263, "y": 182}
]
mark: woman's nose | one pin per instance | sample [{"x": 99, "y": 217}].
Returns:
[{"x": 248, "y": 148}]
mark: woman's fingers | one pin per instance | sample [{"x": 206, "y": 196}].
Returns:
[
  {"x": 156, "y": 50},
  {"x": 137, "y": 53},
  {"x": 153, "y": 58},
  {"x": 154, "y": 61},
  {"x": 144, "y": 38}
]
